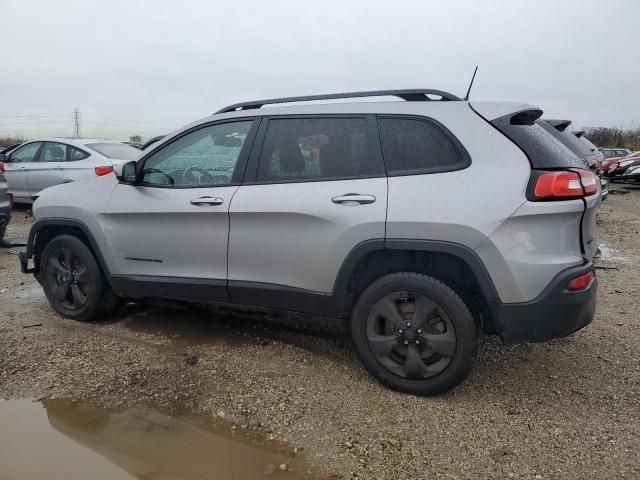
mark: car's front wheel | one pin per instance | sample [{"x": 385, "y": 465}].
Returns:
[
  {"x": 71, "y": 279},
  {"x": 414, "y": 333}
]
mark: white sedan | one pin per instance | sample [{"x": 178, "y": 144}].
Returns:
[{"x": 39, "y": 164}]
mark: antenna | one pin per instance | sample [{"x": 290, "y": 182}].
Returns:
[{"x": 466, "y": 97}]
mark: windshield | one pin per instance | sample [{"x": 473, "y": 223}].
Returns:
[{"x": 117, "y": 151}]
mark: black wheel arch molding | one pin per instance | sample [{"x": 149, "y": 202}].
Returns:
[
  {"x": 335, "y": 304},
  {"x": 56, "y": 223}
]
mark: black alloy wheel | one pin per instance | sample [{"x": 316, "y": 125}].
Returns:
[
  {"x": 414, "y": 333},
  {"x": 411, "y": 335},
  {"x": 68, "y": 279}
]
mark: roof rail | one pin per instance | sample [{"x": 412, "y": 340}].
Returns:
[{"x": 410, "y": 95}]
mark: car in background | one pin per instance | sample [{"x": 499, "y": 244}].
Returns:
[
  {"x": 559, "y": 129},
  {"x": 38, "y": 164},
  {"x": 6, "y": 204},
  {"x": 591, "y": 157},
  {"x": 151, "y": 141},
  {"x": 618, "y": 171},
  {"x": 611, "y": 163},
  {"x": 581, "y": 135},
  {"x": 608, "y": 164},
  {"x": 615, "y": 152},
  {"x": 8, "y": 149},
  {"x": 632, "y": 175}
]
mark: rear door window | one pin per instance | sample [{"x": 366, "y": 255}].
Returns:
[
  {"x": 311, "y": 149},
  {"x": 543, "y": 149},
  {"x": 53, "y": 152},
  {"x": 414, "y": 146}
]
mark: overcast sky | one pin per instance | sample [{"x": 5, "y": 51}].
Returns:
[{"x": 147, "y": 67}]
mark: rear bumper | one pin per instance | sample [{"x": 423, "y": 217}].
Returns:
[{"x": 555, "y": 313}]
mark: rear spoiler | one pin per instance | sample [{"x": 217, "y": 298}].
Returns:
[
  {"x": 521, "y": 113},
  {"x": 560, "y": 125}
]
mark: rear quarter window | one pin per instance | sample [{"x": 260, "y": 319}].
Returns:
[
  {"x": 76, "y": 154},
  {"x": 543, "y": 149},
  {"x": 417, "y": 146}
]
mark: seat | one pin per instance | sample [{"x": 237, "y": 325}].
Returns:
[
  {"x": 54, "y": 154},
  {"x": 291, "y": 159}
]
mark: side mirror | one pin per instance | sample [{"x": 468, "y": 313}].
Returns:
[{"x": 129, "y": 173}]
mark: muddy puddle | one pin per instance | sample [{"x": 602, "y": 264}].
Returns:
[{"x": 59, "y": 439}]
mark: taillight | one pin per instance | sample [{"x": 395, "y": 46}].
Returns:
[
  {"x": 1, "y": 167},
  {"x": 100, "y": 171},
  {"x": 580, "y": 282},
  {"x": 589, "y": 182},
  {"x": 562, "y": 185}
]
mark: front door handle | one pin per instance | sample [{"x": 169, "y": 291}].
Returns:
[
  {"x": 353, "y": 199},
  {"x": 206, "y": 201}
]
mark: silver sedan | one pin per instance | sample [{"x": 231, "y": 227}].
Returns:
[{"x": 39, "y": 164}]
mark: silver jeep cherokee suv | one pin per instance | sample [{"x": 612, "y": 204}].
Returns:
[{"x": 423, "y": 223}]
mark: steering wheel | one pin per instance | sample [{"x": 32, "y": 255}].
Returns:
[
  {"x": 168, "y": 179},
  {"x": 189, "y": 172}
]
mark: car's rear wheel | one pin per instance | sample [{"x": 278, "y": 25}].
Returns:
[
  {"x": 414, "y": 333},
  {"x": 72, "y": 280}
]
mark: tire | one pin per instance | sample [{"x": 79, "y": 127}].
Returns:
[
  {"x": 3, "y": 242},
  {"x": 80, "y": 292},
  {"x": 414, "y": 334}
]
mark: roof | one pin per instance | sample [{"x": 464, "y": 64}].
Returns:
[{"x": 72, "y": 140}]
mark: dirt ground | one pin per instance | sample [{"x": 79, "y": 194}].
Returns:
[{"x": 565, "y": 409}]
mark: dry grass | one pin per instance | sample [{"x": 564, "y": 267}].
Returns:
[{"x": 6, "y": 141}]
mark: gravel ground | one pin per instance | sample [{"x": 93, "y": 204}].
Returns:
[{"x": 565, "y": 409}]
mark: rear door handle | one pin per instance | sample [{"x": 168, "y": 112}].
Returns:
[
  {"x": 353, "y": 199},
  {"x": 206, "y": 201}
]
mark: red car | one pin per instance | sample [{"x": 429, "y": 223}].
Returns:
[
  {"x": 608, "y": 163},
  {"x": 611, "y": 161}
]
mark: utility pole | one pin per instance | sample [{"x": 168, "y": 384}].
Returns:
[{"x": 76, "y": 122}]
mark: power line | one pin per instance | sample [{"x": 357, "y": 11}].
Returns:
[
  {"x": 31, "y": 123},
  {"x": 128, "y": 122},
  {"x": 34, "y": 129},
  {"x": 35, "y": 116},
  {"x": 95, "y": 125}
]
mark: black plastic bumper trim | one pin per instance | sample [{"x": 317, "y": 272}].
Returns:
[{"x": 555, "y": 313}]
